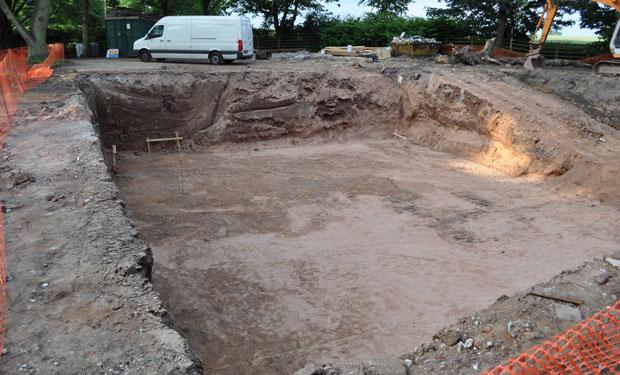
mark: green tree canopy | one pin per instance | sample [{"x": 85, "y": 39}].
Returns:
[
  {"x": 177, "y": 7},
  {"x": 20, "y": 8},
  {"x": 33, "y": 27},
  {"x": 594, "y": 16},
  {"x": 388, "y": 6},
  {"x": 379, "y": 29},
  {"x": 280, "y": 14},
  {"x": 499, "y": 19}
]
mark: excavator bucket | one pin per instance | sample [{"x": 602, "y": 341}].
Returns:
[{"x": 534, "y": 59}]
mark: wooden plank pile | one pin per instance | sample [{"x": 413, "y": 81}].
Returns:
[{"x": 358, "y": 51}]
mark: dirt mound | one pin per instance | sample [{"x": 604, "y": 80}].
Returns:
[{"x": 596, "y": 94}]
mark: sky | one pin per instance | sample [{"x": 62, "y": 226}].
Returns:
[{"x": 417, "y": 9}]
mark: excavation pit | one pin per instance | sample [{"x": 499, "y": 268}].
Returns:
[{"x": 294, "y": 227}]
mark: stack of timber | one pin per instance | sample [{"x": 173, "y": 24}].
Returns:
[{"x": 358, "y": 51}]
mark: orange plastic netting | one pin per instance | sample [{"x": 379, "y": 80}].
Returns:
[
  {"x": 17, "y": 76},
  {"x": 590, "y": 347}
]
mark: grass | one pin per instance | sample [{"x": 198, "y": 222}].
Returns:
[{"x": 574, "y": 39}]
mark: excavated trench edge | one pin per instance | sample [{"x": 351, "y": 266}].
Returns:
[
  {"x": 207, "y": 109},
  {"x": 497, "y": 136}
]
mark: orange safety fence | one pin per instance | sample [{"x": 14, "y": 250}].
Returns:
[
  {"x": 17, "y": 76},
  {"x": 503, "y": 52},
  {"x": 590, "y": 347}
]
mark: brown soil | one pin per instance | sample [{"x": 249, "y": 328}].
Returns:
[
  {"x": 275, "y": 257},
  {"x": 334, "y": 243},
  {"x": 294, "y": 226}
]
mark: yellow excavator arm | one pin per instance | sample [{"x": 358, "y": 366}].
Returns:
[
  {"x": 610, "y": 3},
  {"x": 546, "y": 21}
]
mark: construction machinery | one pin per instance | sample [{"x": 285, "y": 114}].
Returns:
[{"x": 534, "y": 58}]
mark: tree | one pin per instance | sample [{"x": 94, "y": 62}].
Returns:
[
  {"x": 281, "y": 14},
  {"x": 35, "y": 36},
  {"x": 177, "y": 7},
  {"x": 488, "y": 18},
  {"x": 396, "y": 7},
  {"x": 215, "y": 7},
  {"x": 66, "y": 25},
  {"x": 603, "y": 19},
  {"x": 161, "y": 7},
  {"x": 6, "y": 28},
  {"x": 85, "y": 25}
]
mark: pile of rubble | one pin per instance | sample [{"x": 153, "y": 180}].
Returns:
[{"x": 406, "y": 38}]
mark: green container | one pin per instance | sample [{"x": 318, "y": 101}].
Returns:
[{"x": 125, "y": 26}]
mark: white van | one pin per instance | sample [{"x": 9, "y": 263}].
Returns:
[{"x": 217, "y": 38}]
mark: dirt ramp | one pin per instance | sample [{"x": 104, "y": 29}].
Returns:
[
  {"x": 449, "y": 118},
  {"x": 596, "y": 94},
  {"x": 512, "y": 128},
  {"x": 455, "y": 117}
]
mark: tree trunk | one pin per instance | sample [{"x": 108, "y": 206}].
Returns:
[
  {"x": 35, "y": 37},
  {"x": 164, "y": 7},
  {"x": 6, "y": 31},
  {"x": 85, "y": 24},
  {"x": 37, "y": 52},
  {"x": 502, "y": 20},
  {"x": 501, "y": 33},
  {"x": 276, "y": 25},
  {"x": 206, "y": 4}
]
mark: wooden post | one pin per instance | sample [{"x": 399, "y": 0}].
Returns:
[
  {"x": 175, "y": 138},
  {"x": 395, "y": 134},
  {"x": 114, "y": 156}
]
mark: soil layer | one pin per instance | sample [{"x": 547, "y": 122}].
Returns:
[
  {"x": 272, "y": 257},
  {"x": 339, "y": 240}
]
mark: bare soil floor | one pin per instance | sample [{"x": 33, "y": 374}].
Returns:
[
  {"x": 270, "y": 256},
  {"x": 306, "y": 248}
]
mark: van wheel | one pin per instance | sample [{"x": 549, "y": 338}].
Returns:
[
  {"x": 228, "y": 61},
  {"x": 216, "y": 58},
  {"x": 145, "y": 55}
]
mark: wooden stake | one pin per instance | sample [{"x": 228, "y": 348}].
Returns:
[
  {"x": 395, "y": 134},
  {"x": 175, "y": 138},
  {"x": 114, "y": 156},
  {"x": 574, "y": 301}
]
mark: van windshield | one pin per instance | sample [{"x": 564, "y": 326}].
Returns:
[{"x": 156, "y": 32}]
